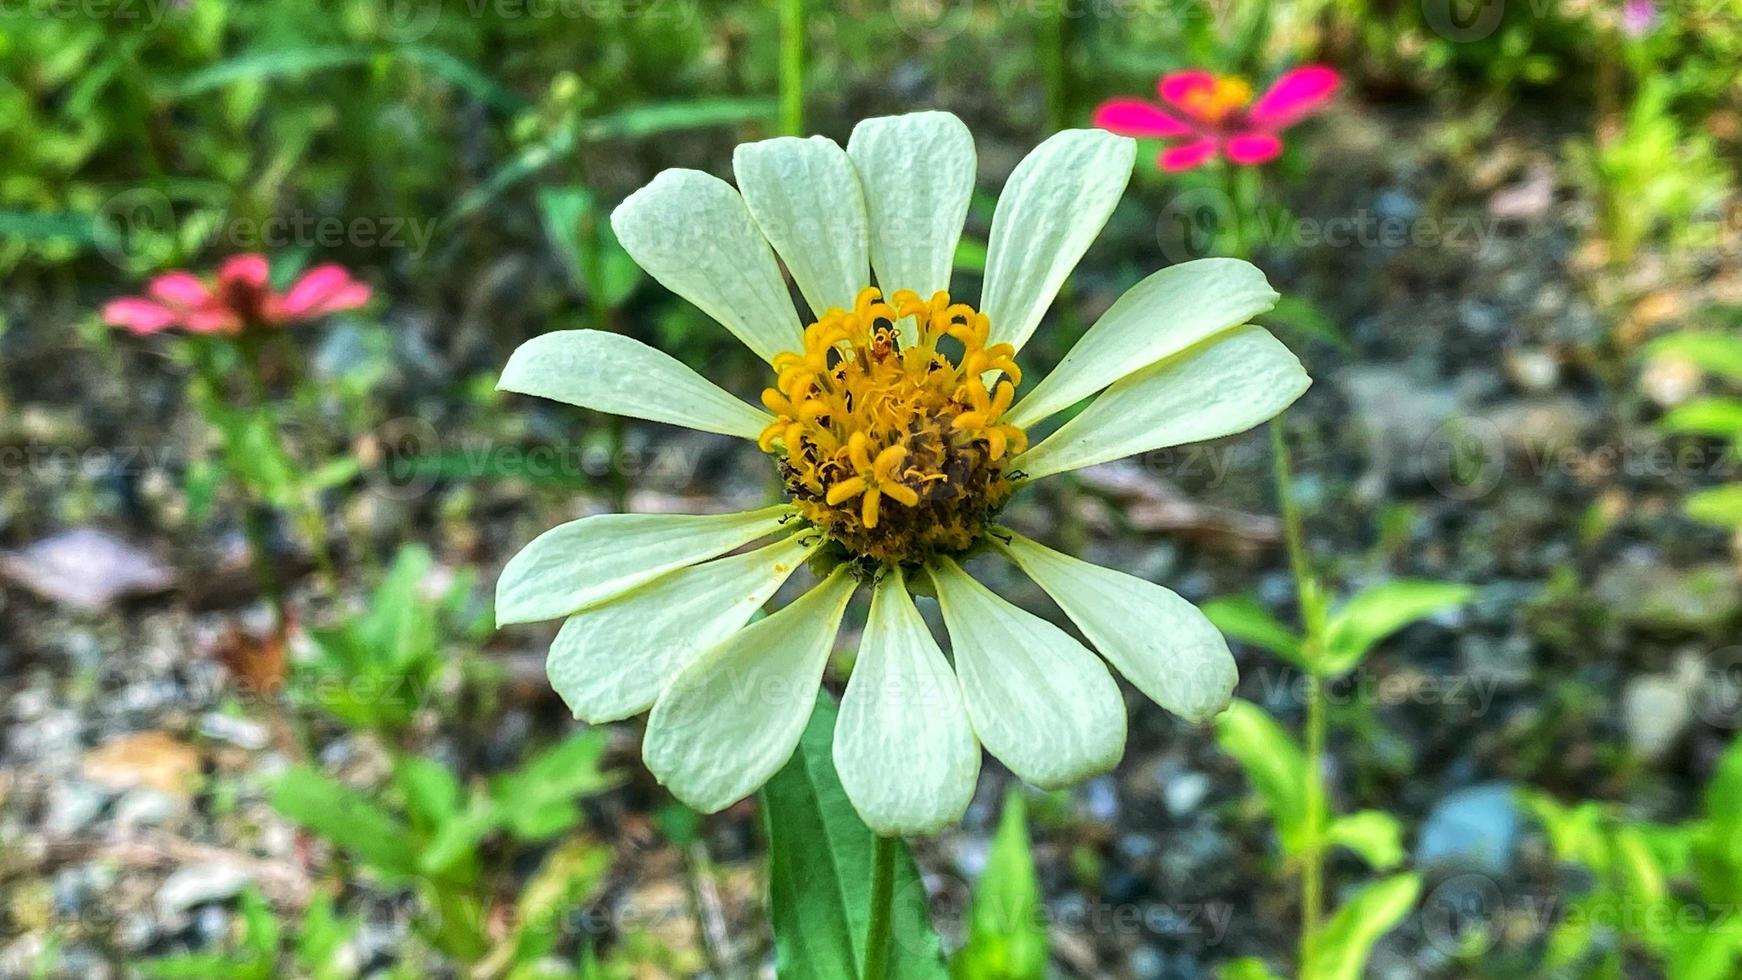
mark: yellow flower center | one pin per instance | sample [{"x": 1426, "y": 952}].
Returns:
[
  {"x": 1214, "y": 104},
  {"x": 889, "y": 441}
]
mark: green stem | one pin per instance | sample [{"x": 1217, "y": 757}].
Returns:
[
  {"x": 1313, "y": 616},
  {"x": 207, "y": 395},
  {"x": 882, "y": 902},
  {"x": 792, "y": 67},
  {"x": 1055, "y": 41},
  {"x": 304, "y": 510},
  {"x": 1237, "y": 208}
]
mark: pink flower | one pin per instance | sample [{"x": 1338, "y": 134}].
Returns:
[
  {"x": 240, "y": 296},
  {"x": 1638, "y": 17},
  {"x": 1211, "y": 115}
]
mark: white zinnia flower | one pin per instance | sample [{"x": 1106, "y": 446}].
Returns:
[{"x": 896, "y": 455}]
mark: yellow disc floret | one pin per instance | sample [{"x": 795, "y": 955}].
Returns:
[
  {"x": 890, "y": 441},
  {"x": 1227, "y": 95}
]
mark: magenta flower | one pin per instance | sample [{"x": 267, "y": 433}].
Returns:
[
  {"x": 1215, "y": 115},
  {"x": 1638, "y": 17},
  {"x": 240, "y": 297}
]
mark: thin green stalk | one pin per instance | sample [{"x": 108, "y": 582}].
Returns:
[
  {"x": 1313, "y": 616},
  {"x": 882, "y": 908},
  {"x": 304, "y": 510},
  {"x": 792, "y": 67},
  {"x": 1054, "y": 45},
  {"x": 253, "y": 525}
]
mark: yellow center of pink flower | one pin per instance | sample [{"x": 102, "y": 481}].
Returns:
[{"x": 1227, "y": 95}]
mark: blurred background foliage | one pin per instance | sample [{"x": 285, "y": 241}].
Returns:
[{"x": 463, "y": 156}]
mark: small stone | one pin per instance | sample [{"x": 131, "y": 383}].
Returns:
[
  {"x": 154, "y": 759},
  {"x": 1670, "y": 381},
  {"x": 86, "y": 569},
  {"x": 73, "y": 805},
  {"x": 1643, "y": 593},
  {"x": 1657, "y": 708},
  {"x": 1532, "y": 369},
  {"x": 200, "y": 884},
  {"x": 1471, "y": 829},
  {"x": 1099, "y": 800},
  {"x": 1185, "y": 792},
  {"x": 1541, "y": 425},
  {"x": 147, "y": 807},
  {"x": 240, "y": 732}
]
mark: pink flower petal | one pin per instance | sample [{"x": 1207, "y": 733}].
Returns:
[
  {"x": 1295, "y": 95},
  {"x": 179, "y": 289},
  {"x": 137, "y": 315},
  {"x": 213, "y": 319},
  {"x": 325, "y": 289},
  {"x": 1132, "y": 117},
  {"x": 250, "y": 269},
  {"x": 1175, "y": 86},
  {"x": 1251, "y": 149},
  {"x": 1186, "y": 155}
]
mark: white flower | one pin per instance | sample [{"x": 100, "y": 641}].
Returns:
[{"x": 894, "y": 426}]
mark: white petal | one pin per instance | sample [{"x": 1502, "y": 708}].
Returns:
[
  {"x": 610, "y": 661},
  {"x": 1057, "y": 199},
  {"x": 1157, "y": 318},
  {"x": 1226, "y": 385},
  {"x": 732, "y": 717},
  {"x": 918, "y": 174},
  {"x": 903, "y": 748},
  {"x": 574, "y": 565},
  {"x": 609, "y": 372},
  {"x": 1162, "y": 644},
  {"x": 1039, "y": 701},
  {"x": 805, "y": 196},
  {"x": 691, "y": 231}
]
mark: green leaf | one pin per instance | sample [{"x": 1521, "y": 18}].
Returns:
[
  {"x": 1575, "y": 834},
  {"x": 1719, "y": 352},
  {"x": 971, "y": 255},
  {"x": 1373, "y": 834},
  {"x": 1273, "y": 763},
  {"x": 1303, "y": 317},
  {"x": 597, "y": 261},
  {"x": 432, "y": 793},
  {"x": 1709, "y": 953},
  {"x": 348, "y": 819},
  {"x": 292, "y": 62},
  {"x": 570, "y": 878},
  {"x": 1246, "y": 968},
  {"x": 1006, "y": 931},
  {"x": 538, "y": 799},
  {"x": 1720, "y": 418},
  {"x": 1372, "y": 615},
  {"x": 268, "y": 64},
  {"x": 1242, "y": 618},
  {"x": 456, "y": 840},
  {"x": 667, "y": 117},
  {"x": 322, "y": 937},
  {"x": 1348, "y": 937},
  {"x": 819, "y": 873},
  {"x": 192, "y": 966},
  {"x": 1720, "y": 506}
]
